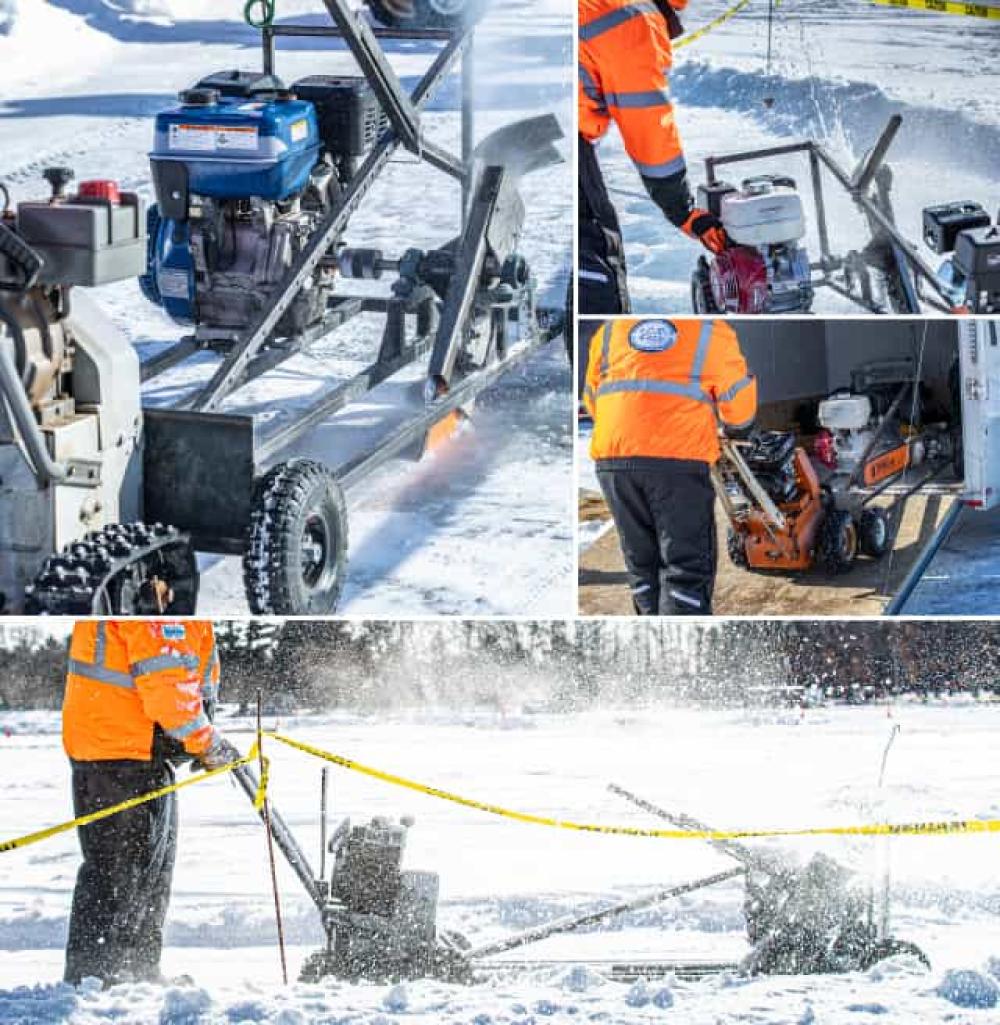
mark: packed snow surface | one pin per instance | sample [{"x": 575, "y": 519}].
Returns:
[
  {"x": 462, "y": 531},
  {"x": 751, "y": 768},
  {"x": 839, "y": 69}
]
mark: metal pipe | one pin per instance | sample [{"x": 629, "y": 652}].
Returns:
[
  {"x": 917, "y": 570},
  {"x": 743, "y": 854},
  {"x": 868, "y": 170},
  {"x": 283, "y": 837},
  {"x": 359, "y": 466},
  {"x": 265, "y": 809},
  {"x": 46, "y": 469},
  {"x": 570, "y": 924},
  {"x": 323, "y": 783},
  {"x": 468, "y": 126}
]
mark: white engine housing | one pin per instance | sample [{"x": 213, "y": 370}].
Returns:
[
  {"x": 763, "y": 213},
  {"x": 845, "y": 412}
]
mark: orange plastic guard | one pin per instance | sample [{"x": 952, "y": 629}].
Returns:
[{"x": 888, "y": 464}]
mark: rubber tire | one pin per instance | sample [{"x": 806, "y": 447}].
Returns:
[
  {"x": 285, "y": 500},
  {"x": 737, "y": 549},
  {"x": 702, "y": 300},
  {"x": 874, "y": 534},
  {"x": 838, "y": 541},
  {"x": 424, "y": 15}
]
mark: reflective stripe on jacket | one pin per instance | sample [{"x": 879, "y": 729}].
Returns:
[
  {"x": 125, "y": 678},
  {"x": 625, "y": 57},
  {"x": 658, "y": 388}
]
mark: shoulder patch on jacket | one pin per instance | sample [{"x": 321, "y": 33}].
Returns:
[
  {"x": 652, "y": 335},
  {"x": 172, "y": 631}
]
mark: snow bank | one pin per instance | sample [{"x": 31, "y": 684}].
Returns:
[
  {"x": 72, "y": 48},
  {"x": 965, "y": 987},
  {"x": 8, "y": 15}
]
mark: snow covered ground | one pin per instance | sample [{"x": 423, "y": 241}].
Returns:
[
  {"x": 462, "y": 531},
  {"x": 739, "y": 769},
  {"x": 839, "y": 70}
]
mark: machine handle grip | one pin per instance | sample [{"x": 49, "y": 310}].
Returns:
[{"x": 26, "y": 263}]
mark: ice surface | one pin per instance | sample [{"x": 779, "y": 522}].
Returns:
[{"x": 729, "y": 768}]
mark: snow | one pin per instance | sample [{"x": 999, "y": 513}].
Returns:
[
  {"x": 732, "y": 768},
  {"x": 461, "y": 531},
  {"x": 839, "y": 69}
]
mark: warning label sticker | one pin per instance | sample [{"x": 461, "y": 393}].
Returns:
[
  {"x": 300, "y": 130},
  {"x": 213, "y": 138}
]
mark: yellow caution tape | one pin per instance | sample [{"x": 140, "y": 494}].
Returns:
[
  {"x": 945, "y": 7},
  {"x": 265, "y": 774},
  {"x": 879, "y": 829},
  {"x": 134, "y": 802},
  {"x": 690, "y": 37}
]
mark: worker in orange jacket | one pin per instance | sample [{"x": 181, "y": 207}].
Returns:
[
  {"x": 624, "y": 63},
  {"x": 140, "y": 697},
  {"x": 658, "y": 391}
]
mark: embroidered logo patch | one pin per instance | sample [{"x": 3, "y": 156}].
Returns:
[
  {"x": 173, "y": 632},
  {"x": 652, "y": 335}
]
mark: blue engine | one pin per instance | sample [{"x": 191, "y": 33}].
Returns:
[{"x": 243, "y": 179}]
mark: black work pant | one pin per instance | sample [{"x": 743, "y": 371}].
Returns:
[
  {"x": 664, "y": 510},
  {"x": 603, "y": 288},
  {"x": 123, "y": 886}
]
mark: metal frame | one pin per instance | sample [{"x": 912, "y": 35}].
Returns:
[
  {"x": 190, "y": 442},
  {"x": 872, "y": 171}
]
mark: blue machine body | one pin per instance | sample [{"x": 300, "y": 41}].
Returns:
[
  {"x": 233, "y": 143},
  {"x": 169, "y": 278},
  {"x": 241, "y": 147}
]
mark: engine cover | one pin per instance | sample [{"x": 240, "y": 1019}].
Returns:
[
  {"x": 235, "y": 146},
  {"x": 845, "y": 412},
  {"x": 764, "y": 212}
]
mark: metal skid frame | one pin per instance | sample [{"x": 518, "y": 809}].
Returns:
[
  {"x": 205, "y": 461},
  {"x": 872, "y": 171}
]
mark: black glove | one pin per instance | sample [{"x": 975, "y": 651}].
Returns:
[{"x": 220, "y": 752}]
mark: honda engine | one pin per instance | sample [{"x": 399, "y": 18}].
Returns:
[{"x": 765, "y": 270}]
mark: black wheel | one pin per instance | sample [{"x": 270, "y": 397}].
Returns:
[
  {"x": 702, "y": 300},
  {"x": 295, "y": 555},
  {"x": 838, "y": 541},
  {"x": 737, "y": 549},
  {"x": 874, "y": 533},
  {"x": 122, "y": 569},
  {"x": 446, "y": 14}
]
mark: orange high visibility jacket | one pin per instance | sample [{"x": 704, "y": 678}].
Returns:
[
  {"x": 625, "y": 56},
  {"x": 658, "y": 389},
  {"x": 127, "y": 677}
]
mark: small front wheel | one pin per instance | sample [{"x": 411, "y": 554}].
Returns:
[
  {"x": 874, "y": 535},
  {"x": 295, "y": 555},
  {"x": 702, "y": 297},
  {"x": 838, "y": 541}
]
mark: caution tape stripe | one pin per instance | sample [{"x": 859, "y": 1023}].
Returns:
[
  {"x": 135, "y": 802},
  {"x": 945, "y": 7},
  {"x": 941, "y": 828},
  {"x": 690, "y": 37},
  {"x": 873, "y": 829}
]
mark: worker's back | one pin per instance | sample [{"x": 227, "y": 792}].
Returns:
[
  {"x": 126, "y": 678},
  {"x": 658, "y": 388}
]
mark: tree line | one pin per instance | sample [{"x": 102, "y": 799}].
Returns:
[{"x": 557, "y": 665}]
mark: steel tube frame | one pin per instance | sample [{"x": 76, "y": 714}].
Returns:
[
  {"x": 571, "y": 924},
  {"x": 232, "y": 370},
  {"x": 855, "y": 188}
]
